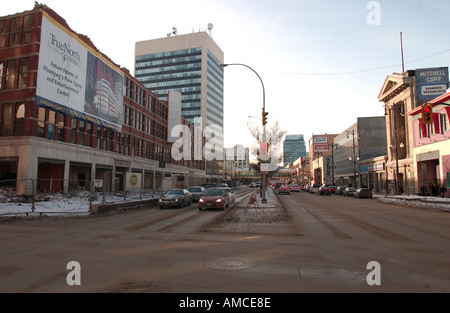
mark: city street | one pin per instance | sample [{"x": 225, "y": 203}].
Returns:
[{"x": 324, "y": 245}]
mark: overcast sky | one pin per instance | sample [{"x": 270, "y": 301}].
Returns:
[{"x": 322, "y": 62}]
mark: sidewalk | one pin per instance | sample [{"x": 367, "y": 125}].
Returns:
[{"x": 439, "y": 203}]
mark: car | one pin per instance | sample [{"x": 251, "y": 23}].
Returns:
[
  {"x": 252, "y": 185},
  {"x": 295, "y": 187},
  {"x": 222, "y": 185},
  {"x": 175, "y": 198},
  {"x": 196, "y": 192},
  {"x": 231, "y": 194},
  {"x": 349, "y": 191},
  {"x": 324, "y": 190},
  {"x": 258, "y": 184},
  {"x": 284, "y": 189},
  {"x": 332, "y": 188},
  {"x": 363, "y": 193},
  {"x": 214, "y": 198},
  {"x": 313, "y": 188},
  {"x": 340, "y": 190},
  {"x": 209, "y": 185},
  {"x": 278, "y": 185}
]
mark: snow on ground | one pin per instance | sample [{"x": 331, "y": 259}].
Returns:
[{"x": 63, "y": 204}]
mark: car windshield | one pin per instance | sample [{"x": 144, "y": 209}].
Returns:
[
  {"x": 213, "y": 192},
  {"x": 228, "y": 190},
  {"x": 175, "y": 192},
  {"x": 195, "y": 189}
]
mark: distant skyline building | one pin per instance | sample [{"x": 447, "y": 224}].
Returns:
[
  {"x": 189, "y": 64},
  {"x": 294, "y": 147}
]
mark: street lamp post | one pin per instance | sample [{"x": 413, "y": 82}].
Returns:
[
  {"x": 354, "y": 155},
  {"x": 264, "y": 176}
]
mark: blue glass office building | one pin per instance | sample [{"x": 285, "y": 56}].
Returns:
[
  {"x": 189, "y": 64},
  {"x": 294, "y": 147}
]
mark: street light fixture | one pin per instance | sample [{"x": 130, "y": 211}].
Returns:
[{"x": 264, "y": 176}]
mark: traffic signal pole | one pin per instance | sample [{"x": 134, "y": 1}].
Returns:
[{"x": 264, "y": 137}]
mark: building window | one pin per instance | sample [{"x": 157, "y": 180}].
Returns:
[
  {"x": 73, "y": 131},
  {"x": 51, "y": 132},
  {"x": 19, "y": 119},
  {"x": 41, "y": 122},
  {"x": 60, "y": 126},
  {"x": 445, "y": 122},
  {"x": 6, "y": 120},
  {"x": 23, "y": 73},
  {"x": 10, "y": 75},
  {"x": 2, "y": 33}
]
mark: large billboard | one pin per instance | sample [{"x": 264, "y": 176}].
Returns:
[
  {"x": 76, "y": 80},
  {"x": 432, "y": 82}
]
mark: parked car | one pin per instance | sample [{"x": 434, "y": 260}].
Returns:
[
  {"x": 278, "y": 185},
  {"x": 295, "y": 187},
  {"x": 231, "y": 194},
  {"x": 313, "y": 188},
  {"x": 332, "y": 188},
  {"x": 284, "y": 189},
  {"x": 222, "y": 185},
  {"x": 214, "y": 198},
  {"x": 252, "y": 185},
  {"x": 349, "y": 192},
  {"x": 196, "y": 192},
  {"x": 324, "y": 190},
  {"x": 258, "y": 184},
  {"x": 175, "y": 198},
  {"x": 363, "y": 193},
  {"x": 340, "y": 190}
]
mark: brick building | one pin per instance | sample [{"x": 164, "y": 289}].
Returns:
[{"x": 69, "y": 114}]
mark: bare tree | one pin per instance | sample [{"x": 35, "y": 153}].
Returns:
[{"x": 274, "y": 136}]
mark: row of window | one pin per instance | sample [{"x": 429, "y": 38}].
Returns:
[
  {"x": 15, "y": 31},
  {"x": 14, "y": 74}
]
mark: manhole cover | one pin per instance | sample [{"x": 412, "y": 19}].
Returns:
[{"x": 230, "y": 264}]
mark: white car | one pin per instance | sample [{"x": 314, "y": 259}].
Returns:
[{"x": 231, "y": 194}]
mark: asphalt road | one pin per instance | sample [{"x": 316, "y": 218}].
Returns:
[{"x": 324, "y": 244}]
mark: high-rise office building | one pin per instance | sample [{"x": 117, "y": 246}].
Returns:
[
  {"x": 189, "y": 64},
  {"x": 294, "y": 147}
]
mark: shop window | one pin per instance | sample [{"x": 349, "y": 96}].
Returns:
[
  {"x": 51, "y": 131},
  {"x": 6, "y": 120},
  {"x": 81, "y": 131},
  {"x": 60, "y": 126},
  {"x": 88, "y": 134},
  {"x": 73, "y": 131},
  {"x": 19, "y": 119},
  {"x": 41, "y": 122}
]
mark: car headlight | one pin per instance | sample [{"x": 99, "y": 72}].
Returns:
[
  {"x": 176, "y": 199},
  {"x": 219, "y": 200},
  {"x": 160, "y": 200},
  {"x": 201, "y": 200}
]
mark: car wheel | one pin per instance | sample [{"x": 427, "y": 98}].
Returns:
[{"x": 200, "y": 209}]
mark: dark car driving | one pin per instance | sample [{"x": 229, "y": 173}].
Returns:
[
  {"x": 196, "y": 192},
  {"x": 175, "y": 198}
]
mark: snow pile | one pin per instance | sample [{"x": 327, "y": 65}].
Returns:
[{"x": 420, "y": 202}]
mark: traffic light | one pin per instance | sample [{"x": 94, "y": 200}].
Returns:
[
  {"x": 263, "y": 153},
  {"x": 427, "y": 114},
  {"x": 264, "y": 118}
]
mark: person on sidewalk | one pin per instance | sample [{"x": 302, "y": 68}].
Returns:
[{"x": 443, "y": 190}]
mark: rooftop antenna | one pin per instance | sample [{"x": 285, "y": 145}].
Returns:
[
  {"x": 401, "y": 46},
  {"x": 210, "y": 27},
  {"x": 173, "y": 32}
]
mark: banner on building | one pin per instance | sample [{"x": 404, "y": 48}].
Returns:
[
  {"x": 76, "y": 80},
  {"x": 133, "y": 181}
]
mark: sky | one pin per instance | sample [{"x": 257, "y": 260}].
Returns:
[{"x": 322, "y": 62}]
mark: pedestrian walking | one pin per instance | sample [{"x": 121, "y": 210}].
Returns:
[{"x": 443, "y": 190}]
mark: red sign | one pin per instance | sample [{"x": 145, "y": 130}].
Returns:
[{"x": 320, "y": 147}]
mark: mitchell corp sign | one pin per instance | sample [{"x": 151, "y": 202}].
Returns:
[
  {"x": 432, "y": 82},
  {"x": 76, "y": 80}
]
